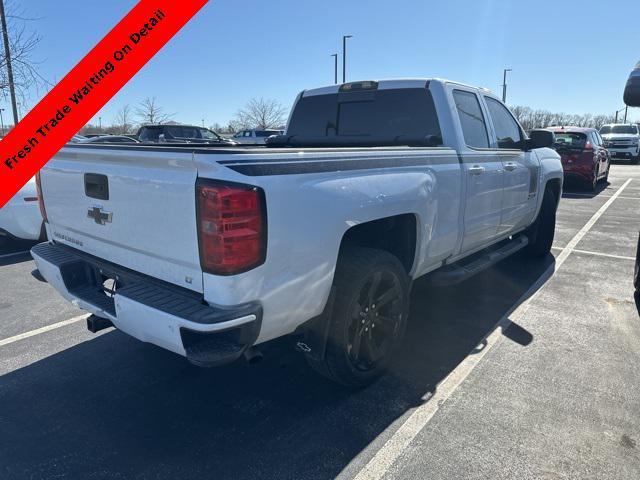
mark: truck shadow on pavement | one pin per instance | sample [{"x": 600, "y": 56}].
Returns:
[{"x": 112, "y": 407}]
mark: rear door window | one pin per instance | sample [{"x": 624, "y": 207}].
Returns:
[
  {"x": 507, "y": 130},
  {"x": 474, "y": 127}
]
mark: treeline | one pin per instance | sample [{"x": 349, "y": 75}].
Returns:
[
  {"x": 260, "y": 113},
  {"x": 530, "y": 118}
]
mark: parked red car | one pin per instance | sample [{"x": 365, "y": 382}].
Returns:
[{"x": 584, "y": 157}]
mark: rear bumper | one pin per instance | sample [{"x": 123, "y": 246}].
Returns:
[
  {"x": 151, "y": 310},
  {"x": 582, "y": 173}
]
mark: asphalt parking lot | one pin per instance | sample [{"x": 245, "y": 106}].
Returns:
[{"x": 529, "y": 370}]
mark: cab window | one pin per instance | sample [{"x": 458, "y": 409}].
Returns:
[
  {"x": 474, "y": 127},
  {"x": 508, "y": 132}
]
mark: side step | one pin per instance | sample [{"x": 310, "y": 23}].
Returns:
[
  {"x": 468, "y": 267},
  {"x": 95, "y": 324}
]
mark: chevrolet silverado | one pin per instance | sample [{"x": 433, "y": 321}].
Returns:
[{"x": 210, "y": 251}]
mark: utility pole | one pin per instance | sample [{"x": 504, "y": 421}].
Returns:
[
  {"x": 504, "y": 85},
  {"x": 203, "y": 123},
  {"x": 7, "y": 54},
  {"x": 626, "y": 110},
  {"x": 2, "y": 120},
  {"x": 335, "y": 67},
  {"x": 344, "y": 57},
  {"x": 100, "y": 123}
]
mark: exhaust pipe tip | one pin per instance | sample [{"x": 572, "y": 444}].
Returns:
[{"x": 253, "y": 355}]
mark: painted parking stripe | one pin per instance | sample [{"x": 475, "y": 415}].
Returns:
[
  {"x": 38, "y": 331},
  {"x": 384, "y": 458},
  {"x": 15, "y": 254},
  {"x": 600, "y": 254}
]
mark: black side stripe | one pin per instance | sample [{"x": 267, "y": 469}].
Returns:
[{"x": 294, "y": 168}]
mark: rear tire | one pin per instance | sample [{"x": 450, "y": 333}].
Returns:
[
  {"x": 542, "y": 231},
  {"x": 593, "y": 186},
  {"x": 369, "y": 317}
]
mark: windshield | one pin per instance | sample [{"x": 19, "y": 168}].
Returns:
[{"x": 624, "y": 129}]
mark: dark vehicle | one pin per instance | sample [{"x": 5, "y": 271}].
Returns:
[
  {"x": 94, "y": 135},
  {"x": 584, "y": 157},
  {"x": 632, "y": 99},
  {"x": 110, "y": 139},
  {"x": 180, "y": 134}
]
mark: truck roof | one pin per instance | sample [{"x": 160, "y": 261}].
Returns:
[{"x": 388, "y": 84}]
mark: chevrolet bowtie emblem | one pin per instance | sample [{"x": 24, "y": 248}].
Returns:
[{"x": 99, "y": 216}]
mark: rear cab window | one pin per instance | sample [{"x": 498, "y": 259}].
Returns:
[{"x": 371, "y": 117}]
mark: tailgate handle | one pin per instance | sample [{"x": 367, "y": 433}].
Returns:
[{"x": 96, "y": 186}]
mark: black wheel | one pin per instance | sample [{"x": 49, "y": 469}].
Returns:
[
  {"x": 369, "y": 317},
  {"x": 594, "y": 183},
  {"x": 541, "y": 233},
  {"x": 636, "y": 271},
  {"x": 635, "y": 160},
  {"x": 606, "y": 177}
]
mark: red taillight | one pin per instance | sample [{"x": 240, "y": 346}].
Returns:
[
  {"x": 43, "y": 212},
  {"x": 231, "y": 227}
]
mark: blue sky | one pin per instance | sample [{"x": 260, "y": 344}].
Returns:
[{"x": 572, "y": 56}]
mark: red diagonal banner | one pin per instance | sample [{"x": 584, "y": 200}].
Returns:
[{"x": 88, "y": 87}]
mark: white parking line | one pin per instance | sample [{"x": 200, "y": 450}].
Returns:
[
  {"x": 15, "y": 254},
  {"x": 384, "y": 458},
  {"x": 38, "y": 331},
  {"x": 600, "y": 254}
]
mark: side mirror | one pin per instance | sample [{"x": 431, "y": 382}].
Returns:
[
  {"x": 540, "y": 139},
  {"x": 632, "y": 90}
]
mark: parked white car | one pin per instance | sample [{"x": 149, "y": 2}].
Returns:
[
  {"x": 208, "y": 252},
  {"x": 254, "y": 137},
  {"x": 622, "y": 141},
  {"x": 20, "y": 218}
]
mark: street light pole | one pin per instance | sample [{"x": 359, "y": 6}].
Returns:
[
  {"x": 504, "y": 85},
  {"x": 626, "y": 110},
  {"x": 335, "y": 67},
  {"x": 100, "y": 123},
  {"x": 344, "y": 57}
]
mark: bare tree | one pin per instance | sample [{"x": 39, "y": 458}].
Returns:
[
  {"x": 530, "y": 119},
  {"x": 148, "y": 111},
  {"x": 260, "y": 113},
  {"x": 22, "y": 44},
  {"x": 124, "y": 119}
]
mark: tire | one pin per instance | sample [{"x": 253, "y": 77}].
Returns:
[
  {"x": 593, "y": 186},
  {"x": 606, "y": 177},
  {"x": 635, "y": 160},
  {"x": 542, "y": 231},
  {"x": 372, "y": 291}
]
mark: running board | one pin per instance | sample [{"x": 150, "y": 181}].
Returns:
[{"x": 476, "y": 263}]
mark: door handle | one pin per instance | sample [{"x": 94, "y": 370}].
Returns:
[
  {"x": 510, "y": 167},
  {"x": 476, "y": 170}
]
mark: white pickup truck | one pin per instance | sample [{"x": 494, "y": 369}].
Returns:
[{"x": 209, "y": 251}]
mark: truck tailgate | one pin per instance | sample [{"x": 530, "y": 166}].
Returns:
[{"x": 131, "y": 207}]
